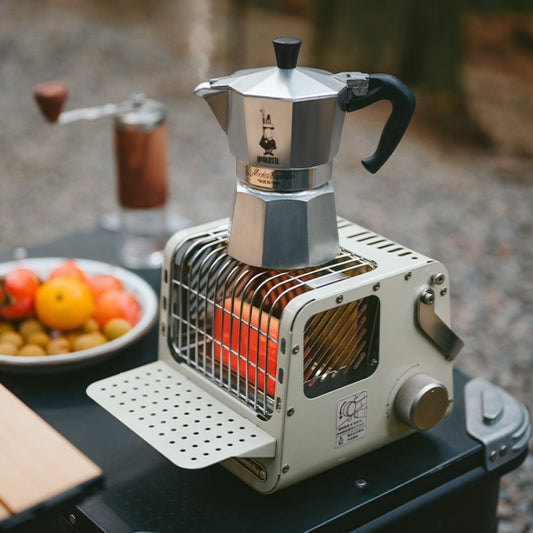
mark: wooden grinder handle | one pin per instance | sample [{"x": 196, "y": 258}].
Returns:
[{"x": 50, "y": 97}]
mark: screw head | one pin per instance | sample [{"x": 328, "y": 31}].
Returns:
[
  {"x": 408, "y": 276},
  {"x": 438, "y": 279},
  {"x": 285, "y": 469},
  {"x": 290, "y": 412},
  {"x": 339, "y": 299},
  {"x": 376, "y": 286},
  {"x": 428, "y": 297},
  {"x": 361, "y": 483}
]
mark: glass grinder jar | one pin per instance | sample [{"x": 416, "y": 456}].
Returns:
[{"x": 140, "y": 134}]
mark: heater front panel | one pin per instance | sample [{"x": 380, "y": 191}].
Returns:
[{"x": 225, "y": 317}]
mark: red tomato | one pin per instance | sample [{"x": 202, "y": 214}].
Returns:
[
  {"x": 116, "y": 303},
  {"x": 102, "y": 283},
  {"x": 68, "y": 269},
  {"x": 18, "y": 309},
  {"x": 18, "y": 288}
]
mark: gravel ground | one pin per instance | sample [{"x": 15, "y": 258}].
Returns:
[{"x": 448, "y": 203}]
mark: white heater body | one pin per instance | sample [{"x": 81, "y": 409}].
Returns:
[{"x": 281, "y": 375}]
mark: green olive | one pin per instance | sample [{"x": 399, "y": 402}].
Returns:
[{"x": 116, "y": 327}]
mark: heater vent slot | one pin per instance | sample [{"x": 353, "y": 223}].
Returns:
[
  {"x": 341, "y": 346},
  {"x": 225, "y": 315},
  {"x": 381, "y": 243}
]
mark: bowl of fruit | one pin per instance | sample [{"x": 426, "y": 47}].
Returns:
[{"x": 56, "y": 313}]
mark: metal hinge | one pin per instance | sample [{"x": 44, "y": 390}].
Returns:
[
  {"x": 496, "y": 419},
  {"x": 357, "y": 81}
]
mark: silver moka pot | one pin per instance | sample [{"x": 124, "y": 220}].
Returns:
[{"x": 284, "y": 125}]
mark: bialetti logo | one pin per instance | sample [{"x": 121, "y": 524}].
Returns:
[{"x": 267, "y": 142}]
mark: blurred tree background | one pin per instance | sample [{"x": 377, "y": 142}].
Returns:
[{"x": 420, "y": 42}]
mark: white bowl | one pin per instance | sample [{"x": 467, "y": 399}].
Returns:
[{"x": 132, "y": 283}]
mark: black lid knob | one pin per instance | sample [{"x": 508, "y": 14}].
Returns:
[{"x": 287, "y": 49}]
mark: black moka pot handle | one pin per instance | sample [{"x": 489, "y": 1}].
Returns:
[{"x": 386, "y": 87}]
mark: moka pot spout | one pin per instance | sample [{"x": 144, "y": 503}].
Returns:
[{"x": 217, "y": 98}]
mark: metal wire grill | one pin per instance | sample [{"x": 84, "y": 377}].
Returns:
[{"x": 225, "y": 316}]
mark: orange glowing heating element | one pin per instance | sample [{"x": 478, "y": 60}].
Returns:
[{"x": 248, "y": 339}]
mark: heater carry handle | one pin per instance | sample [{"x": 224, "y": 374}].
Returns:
[{"x": 386, "y": 87}]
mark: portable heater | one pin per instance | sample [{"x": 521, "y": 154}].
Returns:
[
  {"x": 291, "y": 340},
  {"x": 282, "y": 374}
]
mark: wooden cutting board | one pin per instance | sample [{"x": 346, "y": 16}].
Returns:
[{"x": 36, "y": 462}]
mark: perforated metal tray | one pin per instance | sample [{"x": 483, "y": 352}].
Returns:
[{"x": 179, "y": 419}]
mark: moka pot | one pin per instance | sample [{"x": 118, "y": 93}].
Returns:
[{"x": 284, "y": 125}]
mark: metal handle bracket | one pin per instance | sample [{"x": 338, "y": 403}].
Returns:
[{"x": 435, "y": 328}]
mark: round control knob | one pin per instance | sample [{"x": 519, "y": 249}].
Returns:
[{"x": 421, "y": 402}]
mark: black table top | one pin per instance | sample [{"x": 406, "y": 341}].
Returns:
[{"x": 145, "y": 492}]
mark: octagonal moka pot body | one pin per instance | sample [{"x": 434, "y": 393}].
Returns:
[{"x": 284, "y": 125}]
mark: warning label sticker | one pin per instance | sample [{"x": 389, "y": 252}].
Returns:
[{"x": 351, "y": 418}]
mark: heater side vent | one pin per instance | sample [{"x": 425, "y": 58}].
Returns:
[
  {"x": 381, "y": 243},
  {"x": 341, "y": 346}
]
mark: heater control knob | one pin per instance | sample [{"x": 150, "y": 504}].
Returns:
[{"x": 421, "y": 402}]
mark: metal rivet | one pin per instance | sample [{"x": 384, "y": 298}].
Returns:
[
  {"x": 339, "y": 299},
  {"x": 290, "y": 412},
  {"x": 408, "y": 276},
  {"x": 493, "y": 456},
  {"x": 285, "y": 469},
  {"x": 438, "y": 279},
  {"x": 444, "y": 292},
  {"x": 361, "y": 483},
  {"x": 72, "y": 519},
  {"x": 503, "y": 450},
  {"x": 296, "y": 349},
  {"x": 376, "y": 286}
]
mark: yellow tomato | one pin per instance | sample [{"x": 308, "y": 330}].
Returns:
[{"x": 63, "y": 303}]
